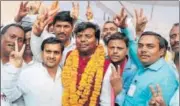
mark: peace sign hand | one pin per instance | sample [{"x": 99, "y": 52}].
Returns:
[
  {"x": 75, "y": 11},
  {"x": 89, "y": 13},
  {"x": 23, "y": 11},
  {"x": 120, "y": 19},
  {"x": 141, "y": 21},
  {"x": 16, "y": 57},
  {"x": 116, "y": 80},
  {"x": 157, "y": 99},
  {"x": 42, "y": 20}
]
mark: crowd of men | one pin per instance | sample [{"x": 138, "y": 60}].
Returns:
[{"x": 52, "y": 58}]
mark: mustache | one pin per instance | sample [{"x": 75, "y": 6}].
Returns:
[
  {"x": 176, "y": 43},
  {"x": 61, "y": 34}
]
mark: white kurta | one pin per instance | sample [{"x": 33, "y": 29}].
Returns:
[
  {"x": 36, "y": 46},
  {"x": 37, "y": 87},
  {"x": 9, "y": 74}
]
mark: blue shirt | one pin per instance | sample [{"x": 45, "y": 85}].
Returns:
[
  {"x": 157, "y": 73},
  {"x": 133, "y": 64}
]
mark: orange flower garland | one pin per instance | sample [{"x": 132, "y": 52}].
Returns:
[{"x": 77, "y": 96}]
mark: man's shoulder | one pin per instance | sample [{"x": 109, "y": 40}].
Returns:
[{"x": 31, "y": 69}]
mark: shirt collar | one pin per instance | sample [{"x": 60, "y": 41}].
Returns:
[
  {"x": 157, "y": 65},
  {"x": 58, "y": 73}
]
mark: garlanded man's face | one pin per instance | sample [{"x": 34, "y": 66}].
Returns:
[
  {"x": 149, "y": 50},
  {"x": 86, "y": 41}
]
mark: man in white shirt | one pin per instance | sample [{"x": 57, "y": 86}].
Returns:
[
  {"x": 9, "y": 34},
  {"x": 39, "y": 84},
  {"x": 63, "y": 26}
]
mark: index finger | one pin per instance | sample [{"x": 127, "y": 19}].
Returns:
[
  {"x": 122, "y": 11},
  {"x": 73, "y": 4},
  {"x": 22, "y": 50},
  {"x": 16, "y": 45},
  {"x": 25, "y": 4},
  {"x": 159, "y": 91},
  {"x": 88, "y": 4},
  {"x": 152, "y": 90},
  {"x": 118, "y": 70},
  {"x": 141, "y": 12},
  {"x": 136, "y": 13}
]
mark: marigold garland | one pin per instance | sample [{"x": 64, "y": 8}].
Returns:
[{"x": 78, "y": 96}]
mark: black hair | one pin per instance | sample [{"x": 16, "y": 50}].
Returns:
[
  {"x": 162, "y": 42},
  {"x": 27, "y": 29},
  {"x": 63, "y": 16},
  {"x": 176, "y": 24},
  {"x": 118, "y": 36},
  {"x": 4, "y": 29},
  {"x": 52, "y": 40},
  {"x": 166, "y": 43},
  {"x": 84, "y": 25}
]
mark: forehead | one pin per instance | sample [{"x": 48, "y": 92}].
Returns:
[
  {"x": 107, "y": 25},
  {"x": 149, "y": 39},
  {"x": 52, "y": 47},
  {"x": 117, "y": 43},
  {"x": 88, "y": 31},
  {"x": 15, "y": 31},
  {"x": 175, "y": 29},
  {"x": 28, "y": 34},
  {"x": 62, "y": 23}
]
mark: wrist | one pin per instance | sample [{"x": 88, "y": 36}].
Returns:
[
  {"x": 117, "y": 90},
  {"x": 138, "y": 33},
  {"x": 17, "y": 18}
]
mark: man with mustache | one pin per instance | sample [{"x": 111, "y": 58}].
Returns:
[
  {"x": 9, "y": 34},
  {"x": 174, "y": 41},
  {"x": 84, "y": 75},
  {"x": 156, "y": 71},
  {"x": 40, "y": 84},
  {"x": 63, "y": 27},
  {"x": 109, "y": 28}
]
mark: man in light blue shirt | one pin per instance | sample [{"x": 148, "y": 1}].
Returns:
[{"x": 156, "y": 71}]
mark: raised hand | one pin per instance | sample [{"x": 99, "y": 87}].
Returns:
[
  {"x": 16, "y": 57},
  {"x": 89, "y": 13},
  {"x": 42, "y": 20},
  {"x": 141, "y": 21},
  {"x": 75, "y": 11},
  {"x": 34, "y": 7},
  {"x": 157, "y": 99},
  {"x": 23, "y": 11},
  {"x": 54, "y": 5},
  {"x": 120, "y": 19},
  {"x": 116, "y": 80}
]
